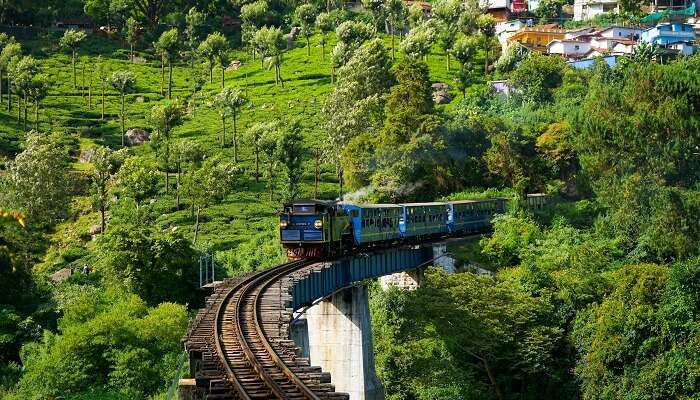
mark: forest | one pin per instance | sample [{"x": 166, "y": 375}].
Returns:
[{"x": 177, "y": 129}]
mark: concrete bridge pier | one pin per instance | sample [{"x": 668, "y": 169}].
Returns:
[
  {"x": 412, "y": 279},
  {"x": 338, "y": 337}
]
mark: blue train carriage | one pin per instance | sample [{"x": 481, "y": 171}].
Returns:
[
  {"x": 373, "y": 223},
  {"x": 314, "y": 229},
  {"x": 467, "y": 216},
  {"x": 423, "y": 219}
]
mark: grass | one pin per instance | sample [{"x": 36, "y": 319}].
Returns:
[{"x": 246, "y": 212}]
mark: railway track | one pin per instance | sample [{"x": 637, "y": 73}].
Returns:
[{"x": 243, "y": 343}]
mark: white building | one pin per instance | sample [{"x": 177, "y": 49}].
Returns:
[
  {"x": 506, "y": 29},
  {"x": 586, "y": 9},
  {"x": 569, "y": 48},
  {"x": 573, "y": 34},
  {"x": 620, "y": 32}
]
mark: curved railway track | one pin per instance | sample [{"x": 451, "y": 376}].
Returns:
[{"x": 242, "y": 337}]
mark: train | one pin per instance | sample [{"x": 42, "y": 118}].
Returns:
[{"x": 321, "y": 229}]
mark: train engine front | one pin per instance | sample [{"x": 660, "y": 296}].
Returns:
[{"x": 306, "y": 228}]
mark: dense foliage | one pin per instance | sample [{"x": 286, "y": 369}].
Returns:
[{"x": 594, "y": 295}]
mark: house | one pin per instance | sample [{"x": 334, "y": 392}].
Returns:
[
  {"x": 532, "y": 5},
  {"x": 427, "y": 8},
  {"x": 621, "y": 32},
  {"x": 502, "y": 9},
  {"x": 624, "y": 47},
  {"x": 568, "y": 48},
  {"x": 675, "y": 35},
  {"x": 506, "y": 29},
  {"x": 590, "y": 62},
  {"x": 576, "y": 33},
  {"x": 586, "y": 9},
  {"x": 538, "y": 37}
]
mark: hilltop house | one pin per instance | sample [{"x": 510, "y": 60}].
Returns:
[
  {"x": 586, "y": 9},
  {"x": 537, "y": 37},
  {"x": 506, "y": 29},
  {"x": 675, "y": 35},
  {"x": 569, "y": 49}
]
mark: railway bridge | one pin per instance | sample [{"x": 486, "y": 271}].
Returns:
[{"x": 283, "y": 333}]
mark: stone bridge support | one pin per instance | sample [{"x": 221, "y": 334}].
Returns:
[
  {"x": 338, "y": 337},
  {"x": 412, "y": 279}
]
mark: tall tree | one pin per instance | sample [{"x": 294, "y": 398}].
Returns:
[
  {"x": 23, "y": 73},
  {"x": 10, "y": 53},
  {"x": 38, "y": 180},
  {"x": 396, "y": 17},
  {"x": 101, "y": 174},
  {"x": 209, "y": 184},
  {"x": 215, "y": 48},
  {"x": 164, "y": 118},
  {"x": 487, "y": 28},
  {"x": 305, "y": 15},
  {"x": 37, "y": 91},
  {"x": 325, "y": 24},
  {"x": 194, "y": 21},
  {"x": 268, "y": 142},
  {"x": 463, "y": 50},
  {"x": 230, "y": 100},
  {"x": 273, "y": 44},
  {"x": 256, "y": 133},
  {"x": 71, "y": 40},
  {"x": 103, "y": 76},
  {"x": 5, "y": 41},
  {"x": 447, "y": 13},
  {"x": 418, "y": 41},
  {"x": 289, "y": 152},
  {"x": 132, "y": 34},
  {"x": 167, "y": 46},
  {"x": 123, "y": 82}
]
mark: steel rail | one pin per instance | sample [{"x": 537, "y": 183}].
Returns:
[{"x": 308, "y": 393}]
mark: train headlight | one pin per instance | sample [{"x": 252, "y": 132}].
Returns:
[
  {"x": 318, "y": 224},
  {"x": 283, "y": 223}
]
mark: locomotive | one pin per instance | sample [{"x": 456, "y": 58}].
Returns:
[{"x": 323, "y": 229}]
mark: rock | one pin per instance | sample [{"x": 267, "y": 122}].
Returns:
[
  {"x": 442, "y": 97},
  {"x": 441, "y": 94},
  {"x": 95, "y": 230},
  {"x": 137, "y": 136},
  {"x": 142, "y": 99},
  {"x": 294, "y": 32},
  {"x": 234, "y": 65},
  {"x": 61, "y": 275},
  {"x": 86, "y": 155}
]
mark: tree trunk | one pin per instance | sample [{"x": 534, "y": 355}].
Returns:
[
  {"x": 36, "y": 115},
  {"x": 196, "y": 227},
  {"x": 122, "y": 118},
  {"x": 270, "y": 178},
  {"x": 308, "y": 47},
  {"x": 223, "y": 76},
  {"x": 223, "y": 131},
  {"x": 393, "y": 51},
  {"x": 170, "y": 79},
  {"x": 486, "y": 60},
  {"x": 257, "y": 164},
  {"x": 9, "y": 94},
  {"x": 19, "y": 109},
  {"x": 103, "y": 101},
  {"x": 323, "y": 49},
  {"x": 131, "y": 52},
  {"x": 103, "y": 225},
  {"x": 177, "y": 186},
  {"x": 492, "y": 378},
  {"x": 75, "y": 80},
  {"x": 162, "y": 75},
  {"x": 233, "y": 141},
  {"x": 211, "y": 72}
]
